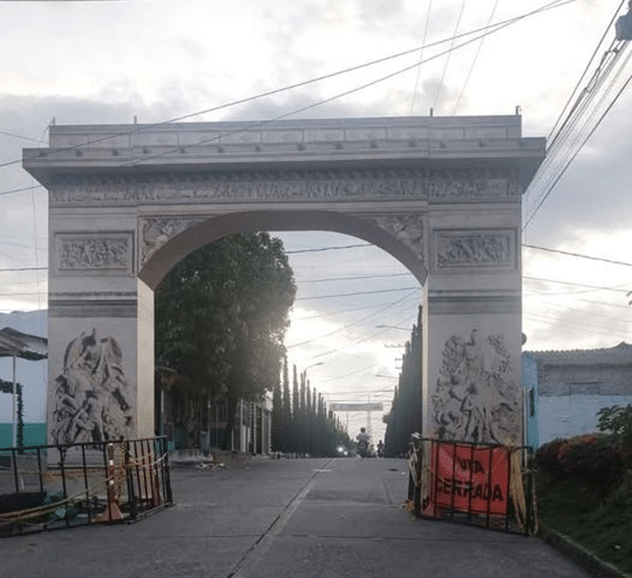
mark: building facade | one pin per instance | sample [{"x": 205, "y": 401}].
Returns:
[{"x": 564, "y": 390}]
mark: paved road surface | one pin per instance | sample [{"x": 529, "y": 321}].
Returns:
[{"x": 328, "y": 518}]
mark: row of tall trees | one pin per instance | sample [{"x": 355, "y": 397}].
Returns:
[
  {"x": 221, "y": 317},
  {"x": 301, "y": 422},
  {"x": 405, "y": 415}
]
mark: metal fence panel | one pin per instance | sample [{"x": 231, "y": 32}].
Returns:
[
  {"x": 54, "y": 486},
  {"x": 486, "y": 485}
]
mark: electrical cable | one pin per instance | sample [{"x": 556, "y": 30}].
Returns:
[
  {"x": 14, "y": 269},
  {"x": 447, "y": 60},
  {"x": 551, "y": 165},
  {"x": 356, "y": 293},
  {"x": 583, "y": 75},
  {"x": 478, "y": 51},
  {"x": 421, "y": 55},
  {"x": 334, "y": 248},
  {"x": 356, "y": 278},
  {"x": 491, "y": 29},
  {"x": 600, "y": 287},
  {"x": 260, "y": 124},
  {"x": 561, "y": 174},
  {"x": 344, "y": 311},
  {"x": 352, "y": 324},
  {"x": 570, "y": 138},
  {"x": 580, "y": 255}
]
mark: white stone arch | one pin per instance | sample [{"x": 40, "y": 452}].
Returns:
[{"x": 440, "y": 194}]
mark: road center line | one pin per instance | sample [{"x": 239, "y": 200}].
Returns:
[{"x": 250, "y": 560}]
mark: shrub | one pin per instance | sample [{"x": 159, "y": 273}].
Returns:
[
  {"x": 595, "y": 463},
  {"x": 547, "y": 456},
  {"x": 591, "y": 458}
]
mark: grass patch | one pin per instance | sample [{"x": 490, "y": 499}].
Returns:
[{"x": 599, "y": 520}]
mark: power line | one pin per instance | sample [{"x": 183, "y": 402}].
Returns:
[
  {"x": 569, "y": 140},
  {"x": 600, "y": 287},
  {"x": 478, "y": 51},
  {"x": 421, "y": 55},
  {"x": 496, "y": 28},
  {"x": 344, "y": 311},
  {"x": 447, "y": 60},
  {"x": 335, "y": 248},
  {"x": 13, "y": 135},
  {"x": 21, "y": 190},
  {"x": 580, "y": 255},
  {"x": 356, "y": 293},
  {"x": 13, "y": 269},
  {"x": 486, "y": 29},
  {"x": 583, "y": 75},
  {"x": 561, "y": 173},
  {"x": 355, "y": 278},
  {"x": 352, "y": 324},
  {"x": 259, "y": 95}
]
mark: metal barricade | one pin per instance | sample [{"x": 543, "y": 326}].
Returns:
[
  {"x": 55, "y": 486},
  {"x": 487, "y": 485}
]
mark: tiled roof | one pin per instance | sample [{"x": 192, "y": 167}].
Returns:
[{"x": 618, "y": 355}]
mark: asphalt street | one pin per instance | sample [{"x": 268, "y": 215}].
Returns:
[{"x": 266, "y": 518}]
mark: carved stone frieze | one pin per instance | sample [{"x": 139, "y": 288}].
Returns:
[
  {"x": 242, "y": 186},
  {"x": 408, "y": 229},
  {"x": 156, "y": 231},
  {"x": 496, "y": 248},
  {"x": 476, "y": 397},
  {"x": 474, "y": 184},
  {"x": 100, "y": 251}
]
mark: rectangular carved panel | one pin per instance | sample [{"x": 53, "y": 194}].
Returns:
[
  {"x": 475, "y": 248},
  {"x": 83, "y": 252}
]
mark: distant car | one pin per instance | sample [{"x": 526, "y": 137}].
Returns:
[{"x": 343, "y": 452}]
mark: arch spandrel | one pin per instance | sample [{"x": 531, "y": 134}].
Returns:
[{"x": 166, "y": 240}]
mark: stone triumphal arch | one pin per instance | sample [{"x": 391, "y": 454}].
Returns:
[{"x": 127, "y": 202}]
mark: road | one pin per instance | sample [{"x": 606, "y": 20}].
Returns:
[{"x": 265, "y": 518}]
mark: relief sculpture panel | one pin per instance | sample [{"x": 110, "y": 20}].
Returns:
[
  {"x": 476, "y": 398},
  {"x": 98, "y": 251},
  {"x": 92, "y": 397},
  {"x": 156, "y": 231},
  {"x": 495, "y": 248},
  {"x": 408, "y": 229}
]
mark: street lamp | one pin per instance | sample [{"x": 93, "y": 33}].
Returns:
[
  {"x": 393, "y": 327},
  {"x": 309, "y": 367}
]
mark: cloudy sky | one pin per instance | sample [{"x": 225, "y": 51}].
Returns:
[{"x": 106, "y": 62}]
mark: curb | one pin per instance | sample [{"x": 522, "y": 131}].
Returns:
[{"x": 581, "y": 556}]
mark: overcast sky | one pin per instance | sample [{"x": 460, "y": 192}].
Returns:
[{"x": 106, "y": 62}]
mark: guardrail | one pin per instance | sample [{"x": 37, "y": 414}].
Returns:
[
  {"x": 58, "y": 486},
  {"x": 480, "y": 484}
]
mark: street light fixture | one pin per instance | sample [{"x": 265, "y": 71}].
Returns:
[
  {"x": 393, "y": 327},
  {"x": 309, "y": 367}
]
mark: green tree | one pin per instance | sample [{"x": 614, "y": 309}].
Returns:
[
  {"x": 616, "y": 420},
  {"x": 221, "y": 316},
  {"x": 286, "y": 414}
]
